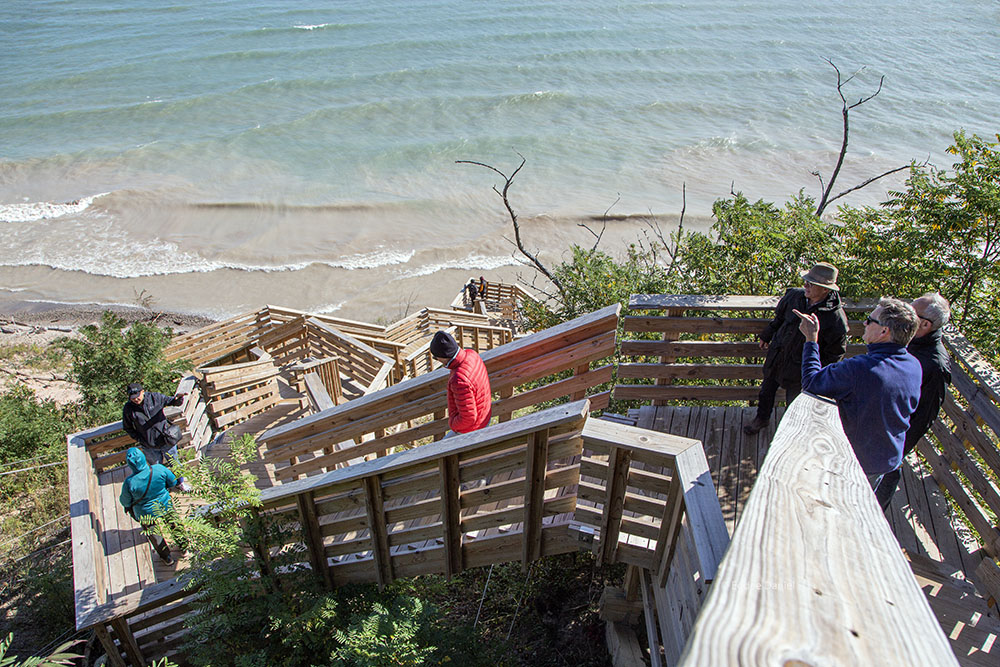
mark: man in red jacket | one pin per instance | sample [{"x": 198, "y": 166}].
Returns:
[{"x": 470, "y": 403}]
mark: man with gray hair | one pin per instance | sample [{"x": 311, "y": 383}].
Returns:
[
  {"x": 876, "y": 392},
  {"x": 933, "y": 311}
]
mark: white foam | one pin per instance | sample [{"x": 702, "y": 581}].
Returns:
[
  {"x": 311, "y": 27},
  {"x": 328, "y": 308},
  {"x": 44, "y": 210},
  {"x": 371, "y": 260},
  {"x": 469, "y": 263}
]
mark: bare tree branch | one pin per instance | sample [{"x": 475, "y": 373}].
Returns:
[
  {"x": 513, "y": 216},
  {"x": 604, "y": 226},
  {"x": 867, "y": 182},
  {"x": 845, "y": 109}
]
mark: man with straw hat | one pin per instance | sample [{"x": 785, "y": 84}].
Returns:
[{"x": 783, "y": 341}]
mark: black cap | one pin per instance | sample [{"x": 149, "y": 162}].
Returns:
[
  {"x": 443, "y": 345},
  {"x": 134, "y": 389}
]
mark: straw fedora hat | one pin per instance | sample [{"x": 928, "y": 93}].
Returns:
[{"x": 822, "y": 274}]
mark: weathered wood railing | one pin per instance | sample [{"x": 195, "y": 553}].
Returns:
[
  {"x": 217, "y": 340},
  {"x": 237, "y": 392},
  {"x": 415, "y": 409},
  {"x": 814, "y": 574},
  {"x": 962, "y": 451},
  {"x": 699, "y": 338}
]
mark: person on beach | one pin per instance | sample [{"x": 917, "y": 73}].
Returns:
[
  {"x": 783, "y": 340},
  {"x": 470, "y": 401},
  {"x": 876, "y": 392},
  {"x": 145, "y": 497},
  {"x": 144, "y": 421},
  {"x": 933, "y": 311}
]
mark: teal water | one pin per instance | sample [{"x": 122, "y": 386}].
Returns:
[{"x": 183, "y": 147}]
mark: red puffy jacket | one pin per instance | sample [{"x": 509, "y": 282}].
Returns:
[{"x": 470, "y": 404}]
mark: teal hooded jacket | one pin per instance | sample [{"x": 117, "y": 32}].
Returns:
[{"x": 154, "y": 502}]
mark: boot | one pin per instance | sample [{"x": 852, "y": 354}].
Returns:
[{"x": 756, "y": 426}]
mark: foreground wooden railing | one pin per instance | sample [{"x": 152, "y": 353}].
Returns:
[
  {"x": 416, "y": 408},
  {"x": 699, "y": 338},
  {"x": 814, "y": 575}
]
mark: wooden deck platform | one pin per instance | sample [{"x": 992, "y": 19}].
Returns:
[{"x": 943, "y": 561}]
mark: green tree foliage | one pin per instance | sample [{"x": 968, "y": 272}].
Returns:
[
  {"x": 941, "y": 233},
  {"x": 31, "y": 427},
  {"x": 753, "y": 248},
  {"x": 60, "y": 656},
  {"x": 110, "y": 356}
]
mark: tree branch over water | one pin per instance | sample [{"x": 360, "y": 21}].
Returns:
[
  {"x": 845, "y": 111},
  {"x": 513, "y": 216}
]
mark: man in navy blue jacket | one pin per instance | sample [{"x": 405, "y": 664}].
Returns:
[{"x": 877, "y": 392}]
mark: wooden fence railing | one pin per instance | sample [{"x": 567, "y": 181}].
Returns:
[
  {"x": 962, "y": 451},
  {"x": 218, "y": 340},
  {"x": 699, "y": 338},
  {"x": 814, "y": 575},
  {"x": 416, "y": 408},
  {"x": 235, "y": 393}
]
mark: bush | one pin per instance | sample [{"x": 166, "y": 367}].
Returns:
[
  {"x": 31, "y": 427},
  {"x": 108, "y": 357}
]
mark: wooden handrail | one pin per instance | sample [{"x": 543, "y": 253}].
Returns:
[{"x": 814, "y": 573}]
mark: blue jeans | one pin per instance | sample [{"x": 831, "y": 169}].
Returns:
[{"x": 157, "y": 455}]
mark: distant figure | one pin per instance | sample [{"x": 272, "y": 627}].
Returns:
[
  {"x": 144, "y": 421},
  {"x": 471, "y": 292},
  {"x": 482, "y": 287},
  {"x": 470, "y": 403},
  {"x": 877, "y": 392},
  {"x": 933, "y": 311},
  {"x": 783, "y": 340},
  {"x": 145, "y": 497}
]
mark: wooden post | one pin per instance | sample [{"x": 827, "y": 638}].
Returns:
[
  {"x": 534, "y": 496},
  {"x": 114, "y": 656},
  {"x": 670, "y": 525},
  {"x": 505, "y": 393},
  {"x": 451, "y": 515},
  {"x": 377, "y": 530},
  {"x": 666, "y": 359},
  {"x": 580, "y": 370},
  {"x": 313, "y": 538},
  {"x": 127, "y": 641},
  {"x": 649, "y": 615},
  {"x": 614, "y": 503},
  {"x": 439, "y": 415}
]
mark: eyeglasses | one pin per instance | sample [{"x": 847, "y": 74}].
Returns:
[{"x": 872, "y": 320}]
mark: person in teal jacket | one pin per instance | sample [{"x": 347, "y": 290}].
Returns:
[{"x": 146, "y": 497}]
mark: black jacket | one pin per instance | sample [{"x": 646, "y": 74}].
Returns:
[
  {"x": 935, "y": 366},
  {"x": 145, "y": 422},
  {"x": 784, "y": 353}
]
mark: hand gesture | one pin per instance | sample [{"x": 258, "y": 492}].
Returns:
[{"x": 808, "y": 325}]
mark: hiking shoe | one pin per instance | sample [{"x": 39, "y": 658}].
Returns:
[
  {"x": 169, "y": 560},
  {"x": 756, "y": 426},
  {"x": 184, "y": 486}
]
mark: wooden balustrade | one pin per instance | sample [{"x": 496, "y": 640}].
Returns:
[
  {"x": 713, "y": 343},
  {"x": 360, "y": 362},
  {"x": 414, "y": 409},
  {"x": 218, "y": 340},
  {"x": 235, "y": 393},
  {"x": 814, "y": 574}
]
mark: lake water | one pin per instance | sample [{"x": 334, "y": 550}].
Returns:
[{"x": 222, "y": 155}]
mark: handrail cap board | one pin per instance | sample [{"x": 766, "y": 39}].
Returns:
[{"x": 724, "y": 302}]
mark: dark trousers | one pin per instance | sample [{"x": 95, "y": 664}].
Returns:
[
  {"x": 768, "y": 390},
  {"x": 159, "y": 542}
]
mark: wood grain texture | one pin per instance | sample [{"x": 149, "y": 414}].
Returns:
[{"x": 813, "y": 575}]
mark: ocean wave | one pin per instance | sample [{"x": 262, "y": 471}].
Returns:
[
  {"x": 44, "y": 210},
  {"x": 469, "y": 263},
  {"x": 120, "y": 259},
  {"x": 312, "y": 27},
  {"x": 328, "y": 308}
]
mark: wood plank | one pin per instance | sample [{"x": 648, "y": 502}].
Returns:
[
  {"x": 967, "y": 428},
  {"x": 614, "y": 500},
  {"x": 127, "y": 641},
  {"x": 699, "y": 325},
  {"x": 377, "y": 530},
  {"x": 810, "y": 525},
  {"x": 313, "y": 537},
  {"x": 534, "y": 496},
  {"x": 726, "y": 302},
  {"x": 451, "y": 515},
  {"x": 690, "y": 371},
  {"x": 110, "y": 649},
  {"x": 647, "y": 392}
]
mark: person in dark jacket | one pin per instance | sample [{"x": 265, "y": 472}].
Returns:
[
  {"x": 470, "y": 400},
  {"x": 144, "y": 421},
  {"x": 934, "y": 311},
  {"x": 145, "y": 496},
  {"x": 876, "y": 392},
  {"x": 783, "y": 340}
]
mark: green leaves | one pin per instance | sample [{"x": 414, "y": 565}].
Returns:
[
  {"x": 110, "y": 356},
  {"x": 60, "y": 656}
]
